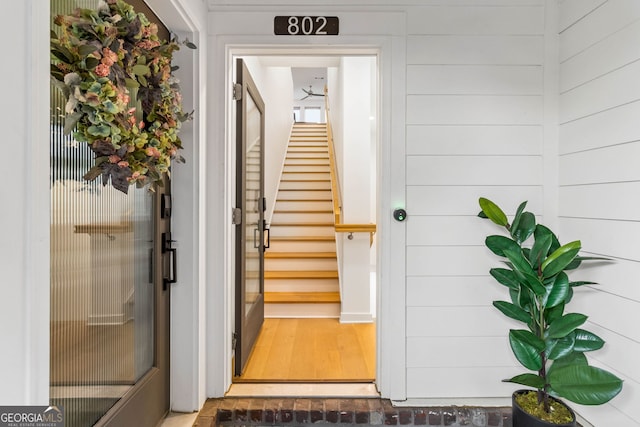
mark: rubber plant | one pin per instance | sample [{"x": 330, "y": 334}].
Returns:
[{"x": 551, "y": 343}]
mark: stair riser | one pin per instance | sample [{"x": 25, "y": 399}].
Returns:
[
  {"x": 305, "y": 185},
  {"x": 309, "y": 147},
  {"x": 302, "y": 310},
  {"x": 300, "y": 285},
  {"x": 315, "y": 163},
  {"x": 315, "y": 169},
  {"x": 299, "y": 154},
  {"x": 288, "y": 246},
  {"x": 307, "y": 176},
  {"x": 277, "y": 231},
  {"x": 302, "y": 217},
  {"x": 304, "y": 195},
  {"x": 304, "y": 204},
  {"x": 300, "y": 264}
]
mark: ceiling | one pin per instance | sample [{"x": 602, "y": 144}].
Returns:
[{"x": 306, "y": 72}]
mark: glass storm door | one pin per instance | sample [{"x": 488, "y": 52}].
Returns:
[
  {"x": 251, "y": 231},
  {"x": 109, "y": 359}
]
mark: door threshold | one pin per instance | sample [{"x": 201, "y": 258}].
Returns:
[{"x": 363, "y": 390}]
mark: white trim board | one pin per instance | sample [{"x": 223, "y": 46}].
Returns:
[{"x": 391, "y": 375}]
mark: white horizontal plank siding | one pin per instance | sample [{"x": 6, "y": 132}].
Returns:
[
  {"x": 609, "y": 91},
  {"x": 612, "y": 201},
  {"x": 474, "y": 140},
  {"x": 463, "y": 200},
  {"x": 474, "y": 110},
  {"x": 476, "y": 20},
  {"x": 474, "y": 79},
  {"x": 601, "y": 22},
  {"x": 448, "y": 260},
  {"x": 454, "y": 322},
  {"x": 443, "y": 291},
  {"x": 481, "y": 170},
  {"x": 461, "y": 352},
  {"x": 448, "y": 230},
  {"x": 461, "y": 382},
  {"x": 617, "y": 239},
  {"x": 475, "y": 50},
  {"x": 614, "y": 126},
  {"x": 475, "y": 128},
  {"x": 616, "y": 276},
  {"x": 571, "y": 11},
  {"x": 618, "y": 163},
  {"x": 616, "y": 51}
]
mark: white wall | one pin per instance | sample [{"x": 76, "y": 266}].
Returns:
[
  {"x": 24, "y": 255},
  {"x": 600, "y": 181},
  {"x": 474, "y": 128}
]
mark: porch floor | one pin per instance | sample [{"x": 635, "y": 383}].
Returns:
[{"x": 243, "y": 411}]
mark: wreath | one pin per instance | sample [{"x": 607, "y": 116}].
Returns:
[{"x": 122, "y": 98}]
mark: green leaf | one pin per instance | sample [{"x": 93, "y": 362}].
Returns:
[
  {"x": 572, "y": 359},
  {"x": 526, "y": 347},
  {"x": 557, "y": 292},
  {"x": 523, "y": 269},
  {"x": 525, "y": 228},
  {"x": 543, "y": 230},
  {"x": 557, "y": 348},
  {"x": 530, "y": 380},
  {"x": 70, "y": 122},
  {"x": 86, "y": 49},
  {"x": 505, "y": 277},
  {"x": 560, "y": 258},
  {"x": 190, "y": 45},
  {"x": 550, "y": 315},
  {"x": 512, "y": 311},
  {"x": 131, "y": 83},
  {"x": 93, "y": 173},
  {"x": 520, "y": 263},
  {"x": 498, "y": 244},
  {"x": 516, "y": 218},
  {"x": 99, "y": 130},
  {"x": 587, "y": 341},
  {"x": 582, "y": 283},
  {"x": 90, "y": 62},
  {"x": 585, "y": 385},
  {"x": 140, "y": 70},
  {"x": 493, "y": 212},
  {"x": 540, "y": 249},
  {"x": 566, "y": 324}
]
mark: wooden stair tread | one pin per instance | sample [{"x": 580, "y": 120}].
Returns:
[
  {"x": 284, "y": 255},
  {"x": 301, "y": 297},
  {"x": 305, "y": 211},
  {"x": 302, "y": 274},
  {"x": 302, "y": 224},
  {"x": 302, "y": 238}
]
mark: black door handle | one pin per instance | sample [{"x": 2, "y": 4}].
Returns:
[{"x": 172, "y": 277}]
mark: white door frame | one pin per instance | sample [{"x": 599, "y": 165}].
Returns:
[{"x": 390, "y": 50}]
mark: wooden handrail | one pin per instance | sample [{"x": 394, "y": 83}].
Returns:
[
  {"x": 333, "y": 170},
  {"x": 355, "y": 228},
  {"x": 335, "y": 188}
]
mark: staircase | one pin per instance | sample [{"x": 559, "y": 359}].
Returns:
[{"x": 301, "y": 271}]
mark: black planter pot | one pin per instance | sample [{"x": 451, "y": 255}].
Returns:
[{"x": 521, "y": 418}]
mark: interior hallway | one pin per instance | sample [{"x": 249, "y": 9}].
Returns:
[{"x": 319, "y": 349}]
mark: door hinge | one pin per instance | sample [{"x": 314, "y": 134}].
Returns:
[
  {"x": 237, "y": 91},
  {"x": 236, "y": 216}
]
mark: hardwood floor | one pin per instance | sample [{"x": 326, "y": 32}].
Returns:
[{"x": 312, "y": 350}]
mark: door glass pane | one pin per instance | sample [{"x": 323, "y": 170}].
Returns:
[
  {"x": 252, "y": 205},
  {"x": 102, "y": 291}
]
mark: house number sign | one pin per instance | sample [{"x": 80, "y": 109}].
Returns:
[{"x": 306, "y": 25}]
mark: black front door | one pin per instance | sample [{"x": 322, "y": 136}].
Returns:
[{"x": 251, "y": 230}]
